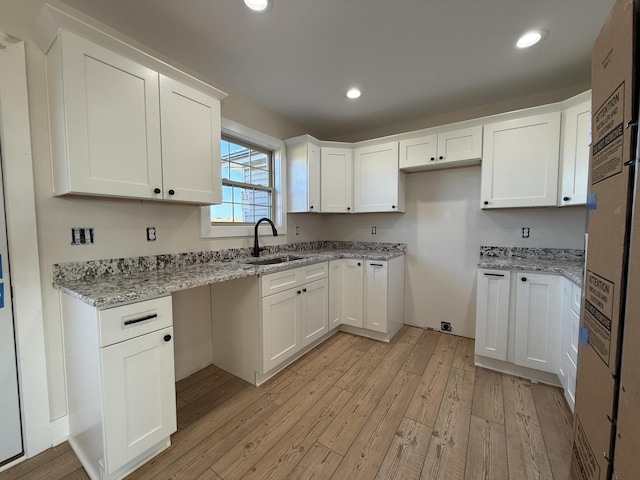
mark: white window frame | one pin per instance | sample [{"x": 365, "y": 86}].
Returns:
[{"x": 241, "y": 132}]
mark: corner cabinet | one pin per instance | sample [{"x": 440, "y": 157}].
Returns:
[
  {"x": 120, "y": 383},
  {"x": 576, "y": 141},
  {"x": 121, "y": 129},
  {"x": 520, "y": 162},
  {"x": 378, "y": 184},
  {"x": 303, "y": 175},
  {"x": 336, "y": 180}
]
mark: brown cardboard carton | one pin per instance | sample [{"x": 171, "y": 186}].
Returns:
[{"x": 612, "y": 148}]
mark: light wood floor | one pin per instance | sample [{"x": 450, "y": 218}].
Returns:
[{"x": 353, "y": 408}]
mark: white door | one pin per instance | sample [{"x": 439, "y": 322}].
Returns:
[
  {"x": 492, "y": 313},
  {"x": 418, "y": 152},
  {"x": 139, "y": 396},
  {"x": 538, "y": 321},
  {"x": 335, "y": 293},
  {"x": 375, "y": 172},
  {"x": 314, "y": 316},
  {"x": 336, "y": 184},
  {"x": 280, "y": 327},
  {"x": 576, "y": 142},
  {"x": 353, "y": 293},
  {"x": 113, "y": 121},
  {"x": 190, "y": 144},
  {"x": 460, "y": 145},
  {"x": 10, "y": 424},
  {"x": 376, "y": 296}
]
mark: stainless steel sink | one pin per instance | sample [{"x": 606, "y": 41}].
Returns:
[{"x": 273, "y": 260}]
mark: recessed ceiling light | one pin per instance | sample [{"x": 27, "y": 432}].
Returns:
[
  {"x": 257, "y": 5},
  {"x": 354, "y": 93},
  {"x": 530, "y": 38}
]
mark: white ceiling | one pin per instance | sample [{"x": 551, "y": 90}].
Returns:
[{"x": 411, "y": 58}]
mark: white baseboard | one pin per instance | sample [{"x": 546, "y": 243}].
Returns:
[{"x": 59, "y": 430}]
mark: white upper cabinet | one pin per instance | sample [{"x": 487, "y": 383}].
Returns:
[
  {"x": 303, "y": 176},
  {"x": 455, "y": 148},
  {"x": 576, "y": 141},
  {"x": 336, "y": 180},
  {"x": 520, "y": 162},
  {"x": 190, "y": 132},
  {"x": 378, "y": 184},
  {"x": 120, "y": 130}
]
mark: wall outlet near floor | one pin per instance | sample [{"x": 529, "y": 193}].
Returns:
[
  {"x": 446, "y": 326},
  {"x": 373, "y": 230},
  {"x": 525, "y": 232},
  {"x": 81, "y": 236},
  {"x": 151, "y": 234}
]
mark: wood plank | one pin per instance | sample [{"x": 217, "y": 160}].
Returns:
[
  {"x": 280, "y": 460},
  {"x": 487, "y": 396},
  {"x": 408, "y": 450},
  {"x": 421, "y": 353},
  {"x": 368, "y": 451},
  {"x": 318, "y": 464},
  {"x": 410, "y": 335},
  {"x": 56, "y": 468},
  {"x": 363, "y": 344},
  {"x": 357, "y": 375},
  {"x": 196, "y": 378},
  {"x": 78, "y": 474},
  {"x": 209, "y": 475},
  {"x": 212, "y": 382},
  {"x": 180, "y": 403},
  {"x": 487, "y": 451},
  {"x": 238, "y": 459},
  {"x": 447, "y": 452},
  {"x": 464, "y": 358},
  {"x": 425, "y": 404},
  {"x": 31, "y": 464},
  {"x": 526, "y": 450},
  {"x": 337, "y": 343},
  {"x": 339, "y": 436},
  {"x": 556, "y": 422}
]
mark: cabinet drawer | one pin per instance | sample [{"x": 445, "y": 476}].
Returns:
[
  {"x": 576, "y": 298},
  {"x": 280, "y": 281},
  {"x": 130, "y": 321},
  {"x": 315, "y": 272}
]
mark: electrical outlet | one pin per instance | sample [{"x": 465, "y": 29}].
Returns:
[
  {"x": 81, "y": 236},
  {"x": 151, "y": 234},
  {"x": 446, "y": 326},
  {"x": 297, "y": 230},
  {"x": 373, "y": 230},
  {"x": 525, "y": 232}
]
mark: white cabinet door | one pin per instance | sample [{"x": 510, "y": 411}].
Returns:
[
  {"x": 280, "y": 327},
  {"x": 376, "y": 296},
  {"x": 190, "y": 144},
  {"x": 106, "y": 121},
  {"x": 538, "y": 321},
  {"x": 417, "y": 153},
  {"x": 460, "y": 145},
  {"x": 353, "y": 293},
  {"x": 492, "y": 313},
  {"x": 576, "y": 140},
  {"x": 520, "y": 162},
  {"x": 336, "y": 182},
  {"x": 377, "y": 179},
  {"x": 314, "y": 315},
  {"x": 335, "y": 293},
  {"x": 138, "y": 396},
  {"x": 303, "y": 175}
]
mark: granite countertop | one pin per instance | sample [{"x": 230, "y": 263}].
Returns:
[
  {"x": 112, "y": 289},
  {"x": 569, "y": 263}
]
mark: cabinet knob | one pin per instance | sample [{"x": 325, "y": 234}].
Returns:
[
  {"x": 566, "y": 199},
  {"x": 393, "y": 206},
  {"x": 349, "y": 208},
  {"x": 433, "y": 159},
  {"x": 440, "y": 157},
  {"x": 171, "y": 192},
  {"x": 304, "y": 290},
  {"x": 523, "y": 279},
  {"x": 298, "y": 292},
  {"x": 310, "y": 207},
  {"x": 486, "y": 203},
  {"x": 156, "y": 190},
  {"x": 359, "y": 264},
  {"x": 167, "y": 338}
]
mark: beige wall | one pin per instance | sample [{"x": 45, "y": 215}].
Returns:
[
  {"x": 444, "y": 228},
  {"x": 119, "y": 225}
]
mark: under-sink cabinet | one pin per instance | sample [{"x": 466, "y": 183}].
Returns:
[
  {"x": 120, "y": 383},
  {"x": 121, "y": 129}
]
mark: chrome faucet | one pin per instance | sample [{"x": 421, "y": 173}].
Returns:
[{"x": 256, "y": 248}]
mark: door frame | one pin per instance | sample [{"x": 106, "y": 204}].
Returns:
[{"x": 20, "y": 209}]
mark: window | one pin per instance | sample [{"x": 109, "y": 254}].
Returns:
[
  {"x": 247, "y": 183},
  {"x": 254, "y": 180}
]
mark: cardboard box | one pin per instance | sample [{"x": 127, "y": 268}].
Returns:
[{"x": 611, "y": 192}]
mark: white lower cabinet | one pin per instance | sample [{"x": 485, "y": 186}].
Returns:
[
  {"x": 120, "y": 383},
  {"x": 335, "y": 293},
  {"x": 376, "y": 296},
  {"x": 353, "y": 292},
  {"x": 567, "y": 371},
  {"x": 492, "y": 313},
  {"x": 280, "y": 327}
]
